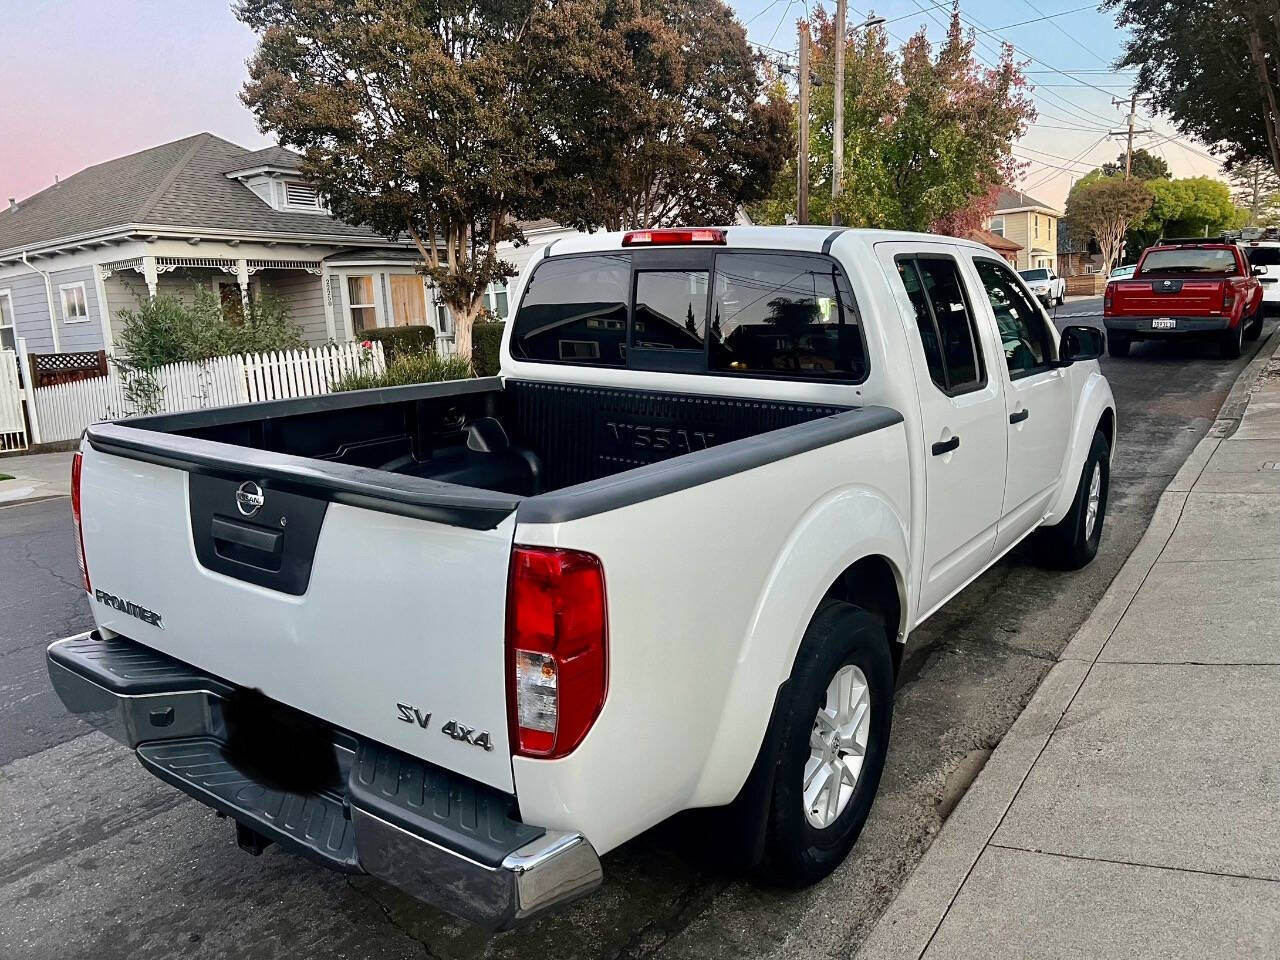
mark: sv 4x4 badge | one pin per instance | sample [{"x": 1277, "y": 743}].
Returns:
[{"x": 451, "y": 728}]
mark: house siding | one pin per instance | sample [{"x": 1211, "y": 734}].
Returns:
[
  {"x": 304, "y": 294},
  {"x": 85, "y": 334},
  {"x": 30, "y": 311}
]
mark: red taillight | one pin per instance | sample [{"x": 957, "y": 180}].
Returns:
[
  {"x": 75, "y": 513},
  {"x": 1106, "y": 299},
  {"x": 658, "y": 238},
  {"x": 1228, "y": 297},
  {"x": 557, "y": 646}
]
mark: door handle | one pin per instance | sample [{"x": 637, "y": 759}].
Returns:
[
  {"x": 1019, "y": 416},
  {"x": 945, "y": 446}
]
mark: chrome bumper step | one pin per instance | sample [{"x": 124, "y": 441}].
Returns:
[{"x": 443, "y": 838}]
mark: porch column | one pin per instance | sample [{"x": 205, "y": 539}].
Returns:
[
  {"x": 150, "y": 275},
  {"x": 242, "y": 278},
  {"x": 104, "y": 311}
]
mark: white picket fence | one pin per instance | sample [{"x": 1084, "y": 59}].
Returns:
[{"x": 66, "y": 409}]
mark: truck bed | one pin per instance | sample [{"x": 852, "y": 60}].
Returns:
[{"x": 471, "y": 452}]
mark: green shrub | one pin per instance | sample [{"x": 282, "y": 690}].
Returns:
[
  {"x": 165, "y": 330},
  {"x": 402, "y": 340},
  {"x": 486, "y": 338},
  {"x": 409, "y": 368}
]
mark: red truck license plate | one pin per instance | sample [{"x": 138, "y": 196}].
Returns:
[{"x": 1164, "y": 324}]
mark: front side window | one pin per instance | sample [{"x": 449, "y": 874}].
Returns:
[
  {"x": 360, "y": 297},
  {"x": 575, "y": 310},
  {"x": 74, "y": 305},
  {"x": 1027, "y": 343},
  {"x": 784, "y": 315}
]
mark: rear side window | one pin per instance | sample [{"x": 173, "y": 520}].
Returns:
[
  {"x": 1221, "y": 261},
  {"x": 575, "y": 310},
  {"x": 945, "y": 321},
  {"x": 784, "y": 315}
]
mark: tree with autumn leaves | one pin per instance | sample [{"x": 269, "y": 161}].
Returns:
[
  {"x": 450, "y": 121},
  {"x": 927, "y": 138}
]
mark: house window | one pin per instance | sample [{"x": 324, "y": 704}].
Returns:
[
  {"x": 8, "y": 336},
  {"x": 1036, "y": 218},
  {"x": 997, "y": 226},
  {"x": 495, "y": 299},
  {"x": 75, "y": 308},
  {"x": 301, "y": 196},
  {"x": 364, "y": 315}
]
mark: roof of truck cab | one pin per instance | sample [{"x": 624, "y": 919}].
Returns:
[{"x": 810, "y": 238}]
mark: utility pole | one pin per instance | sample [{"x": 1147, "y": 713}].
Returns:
[
  {"x": 1128, "y": 134},
  {"x": 837, "y": 118},
  {"x": 802, "y": 160},
  {"x": 837, "y": 135}
]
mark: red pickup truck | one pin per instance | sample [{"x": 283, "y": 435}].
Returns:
[{"x": 1186, "y": 288}]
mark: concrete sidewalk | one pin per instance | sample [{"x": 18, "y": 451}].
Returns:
[
  {"x": 35, "y": 477},
  {"x": 1133, "y": 810}
]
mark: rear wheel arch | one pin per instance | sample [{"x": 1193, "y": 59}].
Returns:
[{"x": 876, "y": 585}]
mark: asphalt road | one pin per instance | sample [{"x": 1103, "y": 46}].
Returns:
[{"x": 102, "y": 861}]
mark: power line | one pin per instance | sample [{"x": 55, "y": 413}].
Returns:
[
  {"x": 1054, "y": 156},
  {"x": 1053, "y": 23}
]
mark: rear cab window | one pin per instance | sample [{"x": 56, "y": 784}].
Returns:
[
  {"x": 726, "y": 312},
  {"x": 1216, "y": 261},
  {"x": 1263, "y": 256},
  {"x": 945, "y": 320}
]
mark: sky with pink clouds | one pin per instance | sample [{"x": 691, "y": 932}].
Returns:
[{"x": 89, "y": 80}]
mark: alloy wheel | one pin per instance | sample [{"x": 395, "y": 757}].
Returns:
[{"x": 837, "y": 747}]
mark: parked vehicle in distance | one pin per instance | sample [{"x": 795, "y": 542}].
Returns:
[
  {"x": 1045, "y": 284},
  {"x": 1123, "y": 272},
  {"x": 1196, "y": 287},
  {"x": 1266, "y": 254},
  {"x": 469, "y": 636}
]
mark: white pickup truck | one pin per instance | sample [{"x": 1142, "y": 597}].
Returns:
[{"x": 469, "y": 636}]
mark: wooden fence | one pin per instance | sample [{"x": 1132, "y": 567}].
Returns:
[{"x": 64, "y": 410}]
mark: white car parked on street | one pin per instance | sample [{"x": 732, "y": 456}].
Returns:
[
  {"x": 1266, "y": 254},
  {"x": 469, "y": 636},
  {"x": 1045, "y": 284}
]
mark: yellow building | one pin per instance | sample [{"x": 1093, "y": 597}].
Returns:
[{"x": 1033, "y": 225}]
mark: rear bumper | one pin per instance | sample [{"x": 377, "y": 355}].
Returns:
[
  {"x": 446, "y": 840},
  {"x": 1140, "y": 328}
]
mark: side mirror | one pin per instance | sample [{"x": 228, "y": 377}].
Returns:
[
  {"x": 1080, "y": 343},
  {"x": 1260, "y": 270}
]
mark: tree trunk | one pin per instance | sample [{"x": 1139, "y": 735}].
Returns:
[
  {"x": 463, "y": 320},
  {"x": 1271, "y": 112}
]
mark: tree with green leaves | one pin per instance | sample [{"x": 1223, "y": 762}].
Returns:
[
  {"x": 1211, "y": 65},
  {"x": 1143, "y": 166},
  {"x": 684, "y": 127},
  {"x": 927, "y": 137},
  {"x": 450, "y": 121},
  {"x": 1104, "y": 208},
  {"x": 1256, "y": 188}
]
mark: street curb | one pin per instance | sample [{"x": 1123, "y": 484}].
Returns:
[{"x": 906, "y": 928}]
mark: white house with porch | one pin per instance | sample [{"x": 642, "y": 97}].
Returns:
[{"x": 203, "y": 211}]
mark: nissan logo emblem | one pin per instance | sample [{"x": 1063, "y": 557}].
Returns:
[{"x": 249, "y": 498}]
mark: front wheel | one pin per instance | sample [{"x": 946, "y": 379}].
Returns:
[
  {"x": 833, "y": 738},
  {"x": 1073, "y": 541}
]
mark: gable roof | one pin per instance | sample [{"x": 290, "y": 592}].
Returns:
[
  {"x": 180, "y": 185},
  {"x": 994, "y": 240},
  {"x": 1017, "y": 200}
]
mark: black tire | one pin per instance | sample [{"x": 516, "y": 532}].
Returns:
[
  {"x": 1117, "y": 346},
  {"x": 796, "y": 853},
  {"x": 1254, "y": 329},
  {"x": 1065, "y": 545},
  {"x": 1231, "y": 342}
]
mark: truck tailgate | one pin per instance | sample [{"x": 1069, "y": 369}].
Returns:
[
  {"x": 386, "y": 625},
  {"x": 1169, "y": 297}
]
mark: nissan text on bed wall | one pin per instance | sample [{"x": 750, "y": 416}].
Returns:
[{"x": 468, "y": 637}]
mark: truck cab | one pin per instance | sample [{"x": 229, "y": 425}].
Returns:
[{"x": 470, "y": 636}]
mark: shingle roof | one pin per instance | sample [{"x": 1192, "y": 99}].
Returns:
[
  {"x": 182, "y": 184},
  {"x": 267, "y": 156},
  {"x": 1013, "y": 199},
  {"x": 994, "y": 240}
]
